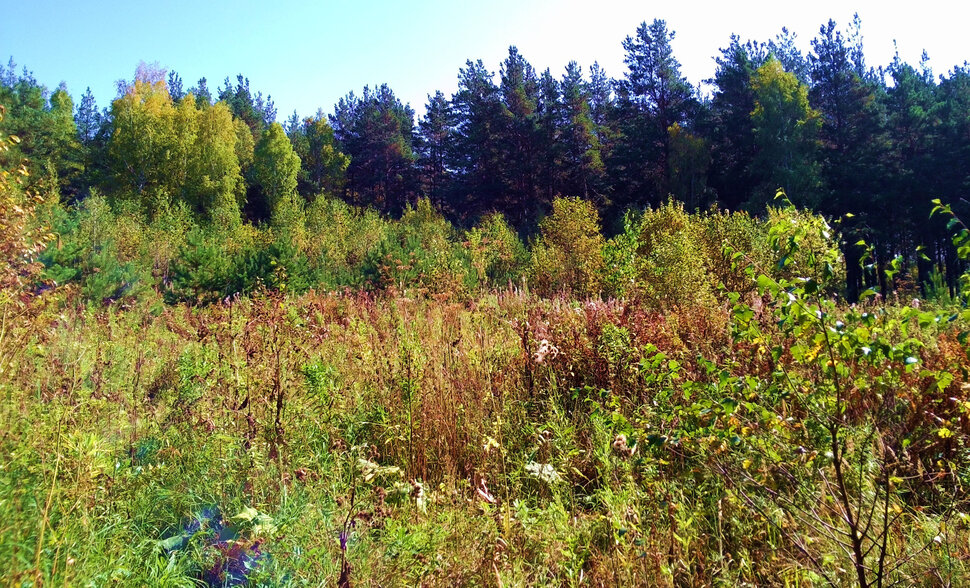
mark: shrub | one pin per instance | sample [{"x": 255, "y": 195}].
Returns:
[
  {"x": 568, "y": 256},
  {"x": 497, "y": 254},
  {"x": 420, "y": 251},
  {"x": 87, "y": 252},
  {"x": 722, "y": 232},
  {"x": 339, "y": 238},
  {"x": 658, "y": 258},
  {"x": 816, "y": 242},
  {"x": 842, "y": 440},
  {"x": 280, "y": 265},
  {"x": 202, "y": 271}
]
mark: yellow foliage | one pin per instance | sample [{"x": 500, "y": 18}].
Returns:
[{"x": 569, "y": 253}]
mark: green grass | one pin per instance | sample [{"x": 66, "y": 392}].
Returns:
[{"x": 122, "y": 425}]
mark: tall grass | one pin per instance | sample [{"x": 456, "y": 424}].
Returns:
[
  {"x": 503, "y": 440},
  {"x": 435, "y": 422}
]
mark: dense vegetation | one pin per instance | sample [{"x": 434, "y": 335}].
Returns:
[
  {"x": 841, "y": 137},
  {"x": 558, "y": 331}
]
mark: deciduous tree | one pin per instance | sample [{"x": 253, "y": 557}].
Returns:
[
  {"x": 786, "y": 135},
  {"x": 275, "y": 167}
]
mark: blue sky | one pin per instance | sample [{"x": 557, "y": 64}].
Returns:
[{"x": 307, "y": 54}]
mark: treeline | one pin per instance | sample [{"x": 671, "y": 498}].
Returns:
[{"x": 871, "y": 146}]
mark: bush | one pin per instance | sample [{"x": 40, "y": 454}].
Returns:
[
  {"x": 497, "y": 254},
  {"x": 339, "y": 239},
  {"x": 202, "y": 272},
  {"x": 723, "y": 232},
  {"x": 281, "y": 265},
  {"x": 658, "y": 259},
  {"x": 214, "y": 264},
  {"x": 86, "y": 251},
  {"x": 815, "y": 244},
  {"x": 669, "y": 257},
  {"x": 21, "y": 237},
  {"x": 420, "y": 251},
  {"x": 568, "y": 257}
]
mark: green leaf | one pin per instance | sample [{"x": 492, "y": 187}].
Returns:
[
  {"x": 247, "y": 514},
  {"x": 765, "y": 283},
  {"x": 172, "y": 542}
]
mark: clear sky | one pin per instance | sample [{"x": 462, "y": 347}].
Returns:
[{"x": 309, "y": 53}]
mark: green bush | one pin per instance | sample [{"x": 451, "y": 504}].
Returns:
[
  {"x": 658, "y": 258},
  {"x": 202, "y": 271},
  {"x": 568, "y": 256},
  {"x": 421, "y": 252},
  {"x": 723, "y": 232},
  {"x": 281, "y": 265},
  {"x": 87, "y": 251},
  {"x": 669, "y": 257},
  {"x": 339, "y": 237},
  {"x": 816, "y": 242},
  {"x": 497, "y": 254},
  {"x": 214, "y": 264}
]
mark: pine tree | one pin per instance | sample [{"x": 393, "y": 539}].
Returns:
[
  {"x": 88, "y": 118},
  {"x": 951, "y": 155},
  {"x": 853, "y": 140},
  {"x": 521, "y": 149},
  {"x": 435, "y": 139},
  {"x": 785, "y": 50},
  {"x": 377, "y": 132},
  {"x": 203, "y": 97},
  {"x": 733, "y": 175},
  {"x": 477, "y": 156},
  {"x": 551, "y": 170},
  {"x": 258, "y": 113},
  {"x": 600, "y": 96},
  {"x": 175, "y": 89},
  {"x": 652, "y": 97},
  {"x": 582, "y": 163}
]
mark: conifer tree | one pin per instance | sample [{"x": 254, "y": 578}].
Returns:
[
  {"x": 582, "y": 162},
  {"x": 853, "y": 140},
  {"x": 652, "y": 97},
  {"x": 435, "y": 139},
  {"x": 377, "y": 132},
  {"x": 733, "y": 175},
  {"x": 477, "y": 157}
]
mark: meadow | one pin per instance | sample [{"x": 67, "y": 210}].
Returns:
[
  {"x": 561, "y": 329},
  {"x": 689, "y": 402}
]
